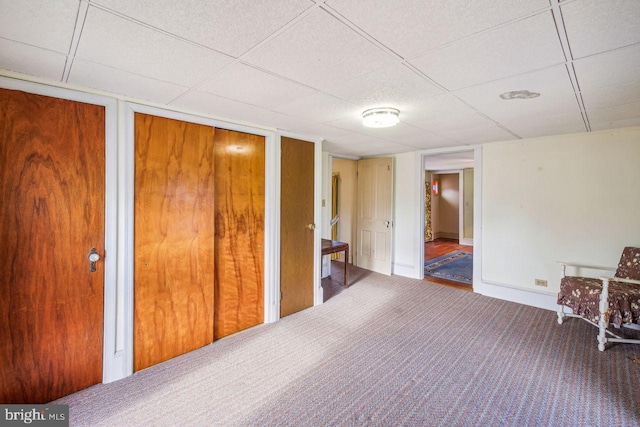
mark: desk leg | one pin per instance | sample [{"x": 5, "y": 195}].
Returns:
[{"x": 346, "y": 268}]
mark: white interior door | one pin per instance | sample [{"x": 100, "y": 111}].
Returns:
[{"x": 374, "y": 219}]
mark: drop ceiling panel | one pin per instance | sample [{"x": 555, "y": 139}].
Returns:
[
  {"x": 119, "y": 43},
  {"x": 479, "y": 135},
  {"x": 320, "y": 108},
  {"x": 553, "y": 84},
  {"x": 227, "y": 108},
  {"x": 105, "y": 78},
  {"x": 319, "y": 51},
  {"x": 557, "y": 124},
  {"x": 42, "y": 23},
  {"x": 615, "y": 113},
  {"x": 364, "y": 148},
  {"x": 608, "y": 96},
  {"x": 232, "y": 27},
  {"x": 614, "y": 124},
  {"x": 512, "y": 49},
  {"x": 402, "y": 133},
  {"x": 27, "y": 59},
  {"x": 247, "y": 84},
  {"x": 465, "y": 120},
  {"x": 434, "y": 108},
  {"x": 618, "y": 66},
  {"x": 412, "y": 27},
  {"x": 595, "y": 26},
  {"x": 393, "y": 86},
  {"x": 325, "y": 131},
  {"x": 426, "y": 140}
]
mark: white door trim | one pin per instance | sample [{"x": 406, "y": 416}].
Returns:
[{"x": 477, "y": 211}]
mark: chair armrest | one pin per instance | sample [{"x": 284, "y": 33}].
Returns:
[
  {"x": 593, "y": 267},
  {"x": 620, "y": 279}
]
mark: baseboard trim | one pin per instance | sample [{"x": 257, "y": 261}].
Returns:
[
  {"x": 541, "y": 299},
  {"x": 406, "y": 270}
]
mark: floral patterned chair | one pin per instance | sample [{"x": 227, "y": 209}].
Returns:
[{"x": 605, "y": 300}]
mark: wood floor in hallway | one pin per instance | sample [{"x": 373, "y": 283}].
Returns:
[{"x": 439, "y": 247}]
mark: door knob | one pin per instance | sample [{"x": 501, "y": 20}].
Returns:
[
  {"x": 311, "y": 226},
  {"x": 93, "y": 258}
]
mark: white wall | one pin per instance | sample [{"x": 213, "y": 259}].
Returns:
[
  {"x": 572, "y": 197},
  {"x": 407, "y": 236}
]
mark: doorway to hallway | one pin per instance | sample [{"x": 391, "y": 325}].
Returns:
[{"x": 442, "y": 246}]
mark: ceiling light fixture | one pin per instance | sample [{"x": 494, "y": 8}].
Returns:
[
  {"x": 519, "y": 94},
  {"x": 381, "y": 117}
]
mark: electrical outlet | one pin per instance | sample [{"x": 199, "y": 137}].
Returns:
[{"x": 540, "y": 282}]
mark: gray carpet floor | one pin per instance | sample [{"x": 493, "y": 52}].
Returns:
[{"x": 385, "y": 351}]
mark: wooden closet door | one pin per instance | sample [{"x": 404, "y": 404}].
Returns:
[
  {"x": 296, "y": 226},
  {"x": 52, "y": 165},
  {"x": 174, "y": 229},
  {"x": 239, "y": 239}
]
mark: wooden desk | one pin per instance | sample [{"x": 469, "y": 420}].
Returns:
[{"x": 332, "y": 247}]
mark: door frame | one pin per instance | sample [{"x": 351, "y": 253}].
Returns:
[
  {"x": 317, "y": 213},
  {"x": 477, "y": 211},
  {"x": 110, "y": 357},
  {"x": 126, "y": 185}
]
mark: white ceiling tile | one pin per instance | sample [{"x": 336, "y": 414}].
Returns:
[
  {"x": 479, "y": 135},
  {"x": 42, "y": 23},
  {"x": 320, "y": 107},
  {"x": 232, "y": 27},
  {"x": 516, "y": 48},
  {"x": 324, "y": 131},
  {"x": 434, "y": 108},
  {"x": 402, "y": 133},
  {"x": 364, "y": 147},
  {"x": 247, "y": 84},
  {"x": 465, "y": 120},
  {"x": 608, "y": 96},
  {"x": 392, "y": 86},
  {"x": 595, "y": 26},
  {"x": 614, "y": 67},
  {"x": 615, "y": 124},
  {"x": 411, "y": 27},
  {"x": 614, "y": 113},
  {"x": 425, "y": 140},
  {"x": 105, "y": 78},
  {"x": 119, "y": 43},
  {"x": 319, "y": 51},
  {"x": 553, "y": 84},
  {"x": 27, "y": 59},
  {"x": 233, "y": 110},
  {"x": 556, "y": 124}
]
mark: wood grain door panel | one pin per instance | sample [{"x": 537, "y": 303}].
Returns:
[
  {"x": 296, "y": 237},
  {"x": 173, "y": 242},
  {"x": 239, "y": 226},
  {"x": 52, "y": 164}
]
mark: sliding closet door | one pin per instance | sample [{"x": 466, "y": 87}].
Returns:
[
  {"x": 174, "y": 229},
  {"x": 52, "y": 166},
  {"x": 239, "y": 240}
]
